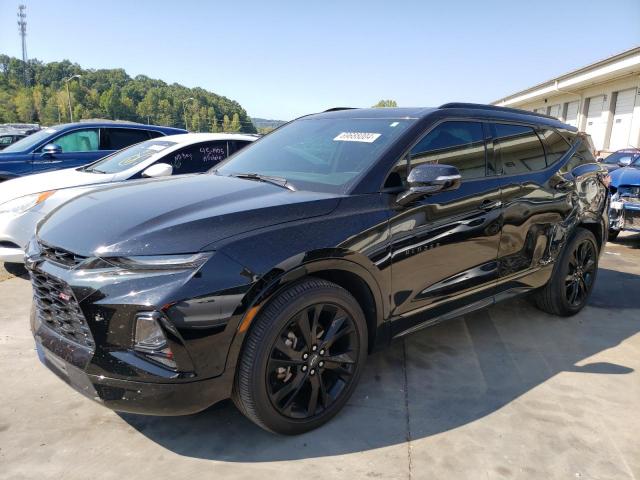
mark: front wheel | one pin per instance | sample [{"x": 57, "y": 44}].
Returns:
[
  {"x": 302, "y": 358},
  {"x": 573, "y": 277},
  {"x": 613, "y": 234}
]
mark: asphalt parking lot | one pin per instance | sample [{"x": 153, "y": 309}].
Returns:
[{"x": 508, "y": 392}]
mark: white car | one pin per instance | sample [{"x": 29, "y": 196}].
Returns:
[{"x": 21, "y": 199}]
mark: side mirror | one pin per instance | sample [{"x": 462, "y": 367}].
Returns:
[
  {"x": 51, "y": 149},
  {"x": 427, "y": 179},
  {"x": 158, "y": 170},
  {"x": 625, "y": 162}
]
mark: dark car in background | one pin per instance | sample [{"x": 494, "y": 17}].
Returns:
[
  {"x": 621, "y": 158},
  {"x": 624, "y": 212},
  {"x": 73, "y": 145},
  {"x": 7, "y": 139},
  {"x": 270, "y": 279}
]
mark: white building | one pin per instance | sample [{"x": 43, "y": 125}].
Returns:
[{"x": 602, "y": 99}]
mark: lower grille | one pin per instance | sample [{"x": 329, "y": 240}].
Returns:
[{"x": 58, "y": 309}]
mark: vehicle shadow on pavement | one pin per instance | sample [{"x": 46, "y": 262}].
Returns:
[
  {"x": 15, "y": 269},
  {"x": 629, "y": 241},
  {"x": 435, "y": 380}
]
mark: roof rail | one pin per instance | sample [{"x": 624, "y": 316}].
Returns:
[
  {"x": 482, "y": 106},
  {"x": 337, "y": 109},
  {"x": 106, "y": 120}
]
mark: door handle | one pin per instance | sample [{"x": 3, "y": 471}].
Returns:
[{"x": 488, "y": 205}]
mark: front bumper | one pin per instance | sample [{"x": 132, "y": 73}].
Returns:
[
  {"x": 624, "y": 215},
  {"x": 66, "y": 359}
]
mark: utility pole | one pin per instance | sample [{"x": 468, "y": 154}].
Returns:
[
  {"x": 66, "y": 81},
  {"x": 22, "y": 28}
]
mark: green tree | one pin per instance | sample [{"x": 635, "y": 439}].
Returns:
[
  {"x": 235, "y": 123},
  {"x": 213, "y": 121},
  {"x": 24, "y": 105},
  {"x": 226, "y": 124},
  {"x": 386, "y": 104},
  {"x": 110, "y": 93}
]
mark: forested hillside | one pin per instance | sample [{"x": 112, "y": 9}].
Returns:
[{"x": 110, "y": 94}]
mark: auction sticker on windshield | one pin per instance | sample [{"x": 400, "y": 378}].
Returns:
[{"x": 364, "y": 137}]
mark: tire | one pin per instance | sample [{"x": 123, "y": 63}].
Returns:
[
  {"x": 613, "y": 234},
  {"x": 281, "y": 368},
  {"x": 559, "y": 296}
]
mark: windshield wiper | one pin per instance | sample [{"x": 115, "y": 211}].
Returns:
[{"x": 278, "y": 181}]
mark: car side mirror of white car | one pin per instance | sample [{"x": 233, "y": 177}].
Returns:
[{"x": 158, "y": 170}]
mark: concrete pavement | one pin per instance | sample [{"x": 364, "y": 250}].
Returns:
[{"x": 507, "y": 392}]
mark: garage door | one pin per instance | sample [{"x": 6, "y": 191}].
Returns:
[
  {"x": 554, "y": 111},
  {"x": 595, "y": 124},
  {"x": 621, "y": 128},
  {"x": 572, "y": 113}
]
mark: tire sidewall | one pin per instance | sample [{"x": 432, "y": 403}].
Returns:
[{"x": 265, "y": 410}]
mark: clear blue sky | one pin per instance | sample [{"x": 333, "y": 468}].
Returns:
[{"x": 281, "y": 59}]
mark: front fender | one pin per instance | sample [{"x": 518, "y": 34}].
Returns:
[{"x": 296, "y": 268}]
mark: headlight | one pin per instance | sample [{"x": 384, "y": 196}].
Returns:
[
  {"x": 188, "y": 261},
  {"x": 20, "y": 205}
]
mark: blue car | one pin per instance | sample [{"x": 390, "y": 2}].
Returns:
[
  {"x": 624, "y": 210},
  {"x": 73, "y": 144}
]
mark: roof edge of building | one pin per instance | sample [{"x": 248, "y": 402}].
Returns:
[{"x": 553, "y": 82}]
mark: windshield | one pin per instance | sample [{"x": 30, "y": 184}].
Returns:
[
  {"x": 617, "y": 157},
  {"x": 27, "y": 143},
  {"x": 318, "y": 154},
  {"x": 129, "y": 157}
]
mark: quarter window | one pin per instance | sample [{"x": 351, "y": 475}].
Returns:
[
  {"x": 556, "y": 145},
  {"x": 118, "y": 138},
  {"x": 79, "y": 141},
  {"x": 518, "y": 149},
  {"x": 459, "y": 144}
]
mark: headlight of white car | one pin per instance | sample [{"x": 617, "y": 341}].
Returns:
[{"x": 20, "y": 205}]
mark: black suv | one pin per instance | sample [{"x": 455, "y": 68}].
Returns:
[{"x": 270, "y": 279}]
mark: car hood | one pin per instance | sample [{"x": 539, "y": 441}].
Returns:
[
  {"x": 174, "y": 215},
  {"x": 42, "y": 182},
  {"x": 625, "y": 176}
]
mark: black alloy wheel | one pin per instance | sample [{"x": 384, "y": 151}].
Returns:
[
  {"x": 302, "y": 357},
  {"x": 573, "y": 277},
  {"x": 581, "y": 274},
  {"x": 312, "y": 361}
]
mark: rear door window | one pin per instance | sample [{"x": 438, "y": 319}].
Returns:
[
  {"x": 118, "y": 138},
  {"x": 197, "y": 158},
  {"x": 518, "y": 149}
]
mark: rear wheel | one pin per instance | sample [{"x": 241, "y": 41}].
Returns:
[
  {"x": 302, "y": 358},
  {"x": 613, "y": 234},
  {"x": 573, "y": 278}
]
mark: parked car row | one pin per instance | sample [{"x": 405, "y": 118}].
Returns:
[
  {"x": 270, "y": 277},
  {"x": 73, "y": 145},
  {"x": 22, "y": 200}
]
